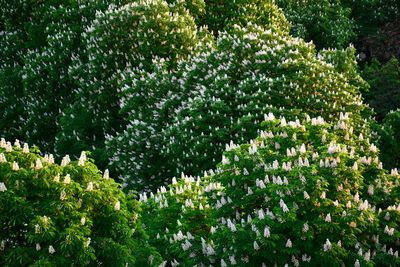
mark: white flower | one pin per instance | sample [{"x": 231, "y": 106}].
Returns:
[
  {"x": 328, "y": 218},
  {"x": 89, "y": 186},
  {"x": 37, "y": 229},
  {"x": 355, "y": 166},
  {"x": 212, "y": 230},
  {"x": 15, "y": 166},
  {"x": 2, "y": 158},
  {"x": 283, "y": 206},
  {"x": 38, "y": 165},
  {"x": 65, "y": 161},
  {"x": 305, "y": 227},
  {"x": 67, "y": 179},
  {"x": 38, "y": 247},
  {"x": 283, "y": 122},
  {"x": 302, "y": 149},
  {"x": 306, "y": 195},
  {"x": 87, "y": 243},
  {"x": 3, "y": 187},
  {"x": 256, "y": 246},
  {"x": 261, "y": 214},
  {"x": 232, "y": 260},
  {"x": 373, "y": 148},
  {"x": 267, "y": 232},
  {"x": 51, "y": 249},
  {"x": 106, "y": 174},
  {"x": 56, "y": 178},
  {"x": 26, "y": 148},
  {"x": 275, "y": 164},
  {"x": 63, "y": 195},
  {"x": 389, "y": 231},
  {"x": 357, "y": 263},
  {"x": 9, "y": 147},
  {"x": 289, "y": 243},
  {"x": 223, "y": 263},
  {"x": 370, "y": 190},
  {"x": 231, "y": 225},
  {"x": 323, "y": 195},
  {"x": 327, "y": 245},
  {"x": 367, "y": 255},
  {"x": 394, "y": 172},
  {"x": 17, "y": 143},
  {"x": 82, "y": 159},
  {"x": 117, "y": 205},
  {"x": 269, "y": 117},
  {"x": 356, "y": 197},
  {"x": 83, "y": 220}
]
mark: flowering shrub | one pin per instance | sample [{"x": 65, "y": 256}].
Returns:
[
  {"x": 67, "y": 214},
  {"x": 304, "y": 192},
  {"x": 221, "y": 94},
  {"x": 123, "y": 37}
]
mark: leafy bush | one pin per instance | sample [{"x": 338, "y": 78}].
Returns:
[
  {"x": 223, "y": 14},
  {"x": 180, "y": 121},
  {"x": 389, "y": 139},
  {"x": 68, "y": 214},
  {"x": 129, "y": 36},
  {"x": 328, "y": 23},
  {"x": 371, "y": 14},
  {"x": 11, "y": 105},
  {"x": 304, "y": 192},
  {"x": 384, "y": 79}
]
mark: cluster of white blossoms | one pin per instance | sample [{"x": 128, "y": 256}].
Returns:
[
  {"x": 222, "y": 94},
  {"x": 121, "y": 41},
  {"x": 295, "y": 209},
  {"x": 52, "y": 189}
]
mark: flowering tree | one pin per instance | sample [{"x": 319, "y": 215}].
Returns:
[
  {"x": 123, "y": 37},
  {"x": 67, "y": 214},
  {"x": 35, "y": 84},
  {"x": 305, "y": 192},
  {"x": 223, "y": 14},
  {"x": 221, "y": 95},
  {"x": 328, "y": 23},
  {"x": 11, "y": 104}
]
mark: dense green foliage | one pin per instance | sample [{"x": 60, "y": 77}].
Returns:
[
  {"x": 123, "y": 37},
  {"x": 158, "y": 89},
  {"x": 46, "y": 37},
  {"x": 390, "y": 139},
  {"x": 188, "y": 116},
  {"x": 304, "y": 192},
  {"x": 65, "y": 215},
  {"x": 384, "y": 80},
  {"x": 63, "y": 65},
  {"x": 327, "y": 23},
  {"x": 223, "y": 14}
]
